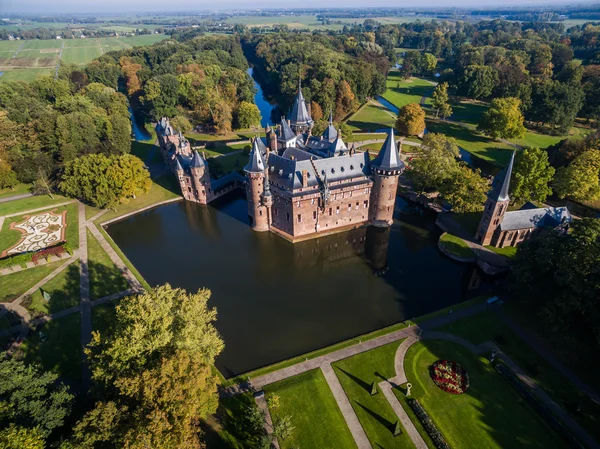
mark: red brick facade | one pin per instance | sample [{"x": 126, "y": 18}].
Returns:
[
  {"x": 384, "y": 198},
  {"x": 490, "y": 221}
]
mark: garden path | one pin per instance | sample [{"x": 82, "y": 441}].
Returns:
[
  {"x": 6, "y": 199},
  {"x": 84, "y": 293},
  {"x": 261, "y": 402}
]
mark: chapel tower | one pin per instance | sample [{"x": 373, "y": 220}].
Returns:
[
  {"x": 258, "y": 192},
  {"x": 386, "y": 169},
  {"x": 495, "y": 206}
]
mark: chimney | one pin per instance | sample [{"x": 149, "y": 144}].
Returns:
[
  {"x": 289, "y": 122},
  {"x": 304, "y": 178}
]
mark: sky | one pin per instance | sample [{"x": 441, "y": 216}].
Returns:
[{"x": 140, "y": 6}]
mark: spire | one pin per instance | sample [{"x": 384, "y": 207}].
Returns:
[
  {"x": 338, "y": 144},
  {"x": 501, "y": 187},
  {"x": 197, "y": 161},
  {"x": 178, "y": 166},
  {"x": 330, "y": 117},
  {"x": 299, "y": 115},
  {"x": 388, "y": 157},
  {"x": 330, "y": 132},
  {"x": 256, "y": 163}
]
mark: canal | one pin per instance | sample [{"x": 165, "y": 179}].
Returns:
[{"x": 275, "y": 299}]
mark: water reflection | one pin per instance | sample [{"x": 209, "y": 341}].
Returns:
[
  {"x": 138, "y": 131},
  {"x": 276, "y": 299},
  {"x": 268, "y": 109}
]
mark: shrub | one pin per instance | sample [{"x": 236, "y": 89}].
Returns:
[{"x": 430, "y": 428}]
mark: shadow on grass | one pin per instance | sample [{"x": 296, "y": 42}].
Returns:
[
  {"x": 105, "y": 280},
  {"x": 421, "y": 91},
  {"x": 384, "y": 422},
  {"x": 364, "y": 385},
  {"x": 64, "y": 291},
  {"x": 169, "y": 182}
]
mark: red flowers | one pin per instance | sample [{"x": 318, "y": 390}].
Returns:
[{"x": 450, "y": 376}]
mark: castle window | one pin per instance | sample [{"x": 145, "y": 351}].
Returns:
[
  {"x": 388, "y": 208},
  {"x": 352, "y": 167},
  {"x": 356, "y": 205},
  {"x": 260, "y": 213},
  {"x": 350, "y": 193},
  {"x": 333, "y": 170},
  {"x": 312, "y": 201},
  {"x": 189, "y": 189},
  {"x": 390, "y": 197},
  {"x": 362, "y": 165},
  {"x": 349, "y": 207},
  {"x": 342, "y": 169},
  {"x": 323, "y": 172},
  {"x": 365, "y": 203},
  {"x": 337, "y": 210},
  {"x": 298, "y": 204},
  {"x": 330, "y": 211},
  {"x": 288, "y": 216},
  {"x": 500, "y": 209},
  {"x": 335, "y": 196},
  {"x": 299, "y": 218},
  {"x": 314, "y": 214}
]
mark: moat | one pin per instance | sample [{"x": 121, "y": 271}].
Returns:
[{"x": 275, "y": 299}]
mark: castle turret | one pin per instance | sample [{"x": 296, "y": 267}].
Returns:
[
  {"x": 495, "y": 206},
  {"x": 258, "y": 213},
  {"x": 300, "y": 119},
  {"x": 386, "y": 168},
  {"x": 200, "y": 179}
]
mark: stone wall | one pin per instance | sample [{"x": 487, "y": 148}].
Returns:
[{"x": 384, "y": 198}]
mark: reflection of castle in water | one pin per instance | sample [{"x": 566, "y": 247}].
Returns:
[{"x": 368, "y": 243}]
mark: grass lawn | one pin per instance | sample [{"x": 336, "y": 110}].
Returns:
[
  {"x": 64, "y": 291},
  {"x": 481, "y": 146},
  {"x": 17, "y": 190},
  {"x": 61, "y": 353},
  {"x": 468, "y": 220},
  {"x": 104, "y": 318},
  {"x": 15, "y": 284},
  {"x": 533, "y": 139},
  {"x": 317, "y": 419},
  {"x": 28, "y": 74},
  {"x": 143, "y": 149},
  {"x": 371, "y": 117},
  {"x": 356, "y": 374},
  {"x": 509, "y": 251},
  {"x": 34, "y": 202},
  {"x": 456, "y": 246},
  {"x": 105, "y": 277},
  {"x": 162, "y": 189},
  {"x": 487, "y": 327},
  {"x": 490, "y": 414},
  {"x": 401, "y": 92},
  {"x": 9, "y": 237},
  {"x": 227, "y": 164}
]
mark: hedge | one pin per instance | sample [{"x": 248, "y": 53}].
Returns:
[{"x": 429, "y": 426}]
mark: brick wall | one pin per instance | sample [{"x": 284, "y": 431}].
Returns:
[{"x": 383, "y": 198}]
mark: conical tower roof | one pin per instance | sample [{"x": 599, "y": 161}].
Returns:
[
  {"x": 178, "y": 166},
  {"x": 256, "y": 162},
  {"x": 197, "y": 161},
  {"x": 388, "y": 157},
  {"x": 502, "y": 183},
  {"x": 286, "y": 132},
  {"x": 300, "y": 115},
  {"x": 330, "y": 132},
  {"x": 338, "y": 144}
]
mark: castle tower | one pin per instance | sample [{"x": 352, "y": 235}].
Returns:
[
  {"x": 386, "y": 168},
  {"x": 495, "y": 206},
  {"x": 259, "y": 214},
  {"x": 300, "y": 119},
  {"x": 200, "y": 179},
  {"x": 180, "y": 178}
]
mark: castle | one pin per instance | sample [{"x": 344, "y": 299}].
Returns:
[
  {"x": 297, "y": 185},
  {"x": 500, "y": 227}
]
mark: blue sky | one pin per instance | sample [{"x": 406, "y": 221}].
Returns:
[{"x": 140, "y": 6}]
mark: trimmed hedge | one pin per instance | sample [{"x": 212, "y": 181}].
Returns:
[
  {"x": 23, "y": 258},
  {"x": 538, "y": 406},
  {"x": 429, "y": 426}
]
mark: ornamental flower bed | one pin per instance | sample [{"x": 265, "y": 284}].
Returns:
[
  {"x": 47, "y": 252},
  {"x": 450, "y": 376}
]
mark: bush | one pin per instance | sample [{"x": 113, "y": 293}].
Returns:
[
  {"x": 430, "y": 428},
  {"x": 17, "y": 259}
]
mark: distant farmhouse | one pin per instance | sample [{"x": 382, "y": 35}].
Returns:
[
  {"x": 297, "y": 185},
  {"x": 500, "y": 227}
]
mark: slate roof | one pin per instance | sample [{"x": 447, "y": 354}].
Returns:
[
  {"x": 299, "y": 114},
  {"x": 197, "y": 160},
  {"x": 288, "y": 173},
  {"x": 388, "y": 157},
  {"x": 178, "y": 166},
  {"x": 256, "y": 162},
  {"x": 286, "y": 132},
  {"x": 338, "y": 147},
  {"x": 330, "y": 132},
  {"x": 501, "y": 184},
  {"x": 261, "y": 146},
  {"x": 535, "y": 218},
  {"x": 298, "y": 154}
]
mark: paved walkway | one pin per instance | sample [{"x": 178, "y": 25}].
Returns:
[
  {"x": 261, "y": 402},
  {"x": 84, "y": 292},
  {"x": 386, "y": 388},
  {"x": 6, "y": 199},
  {"x": 31, "y": 211},
  {"x": 358, "y": 433}
]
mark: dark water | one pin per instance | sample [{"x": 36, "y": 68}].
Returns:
[
  {"x": 275, "y": 299},
  {"x": 265, "y": 106},
  {"x": 138, "y": 131},
  {"x": 387, "y": 104}
]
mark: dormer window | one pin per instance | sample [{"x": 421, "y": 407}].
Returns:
[
  {"x": 333, "y": 170},
  {"x": 362, "y": 165},
  {"x": 280, "y": 172},
  {"x": 352, "y": 167},
  {"x": 342, "y": 169}
]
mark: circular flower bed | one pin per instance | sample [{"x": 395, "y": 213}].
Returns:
[{"x": 450, "y": 376}]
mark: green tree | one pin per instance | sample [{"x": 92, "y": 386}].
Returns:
[
  {"x": 478, "y": 81},
  {"x": 283, "y": 428},
  {"x": 248, "y": 115},
  {"x": 531, "y": 176},
  {"x": 580, "y": 179},
  {"x": 428, "y": 63},
  {"x": 14, "y": 437},
  {"x": 411, "y": 120},
  {"x": 8, "y": 178},
  {"x": 31, "y": 398},
  {"x": 440, "y": 101},
  {"x": 156, "y": 371},
  {"x": 181, "y": 123},
  {"x": 503, "y": 119},
  {"x": 105, "y": 181},
  {"x": 465, "y": 189},
  {"x": 436, "y": 162}
]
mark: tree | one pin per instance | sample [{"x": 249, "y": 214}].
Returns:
[
  {"x": 435, "y": 163},
  {"x": 8, "y": 178},
  {"x": 248, "y": 115},
  {"x": 31, "y": 399},
  {"x": 345, "y": 101},
  {"x": 411, "y": 120},
  {"x": 503, "y": 119},
  {"x": 478, "y": 81},
  {"x": 283, "y": 428},
  {"x": 465, "y": 189},
  {"x": 580, "y": 179},
  {"x": 156, "y": 371},
  {"x": 181, "y": 123},
  {"x": 440, "y": 101},
  {"x": 105, "y": 181},
  {"x": 14, "y": 437},
  {"x": 315, "y": 111},
  {"x": 428, "y": 62},
  {"x": 531, "y": 176},
  {"x": 554, "y": 103}
]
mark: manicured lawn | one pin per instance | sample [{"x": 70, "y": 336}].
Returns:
[
  {"x": 17, "y": 190},
  {"x": 456, "y": 246},
  {"x": 105, "y": 277},
  {"x": 487, "y": 327},
  {"x": 509, "y": 251},
  {"x": 357, "y": 137},
  {"x": 481, "y": 146},
  {"x": 162, "y": 189},
  {"x": 401, "y": 92},
  {"x": 34, "y": 202},
  {"x": 63, "y": 289},
  {"x": 61, "y": 353},
  {"x": 533, "y": 139},
  {"x": 372, "y": 117},
  {"x": 143, "y": 149},
  {"x": 317, "y": 419},
  {"x": 468, "y": 111},
  {"x": 15, "y": 284},
  {"x": 490, "y": 414},
  {"x": 227, "y": 164},
  {"x": 9, "y": 237},
  {"x": 356, "y": 374}
]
